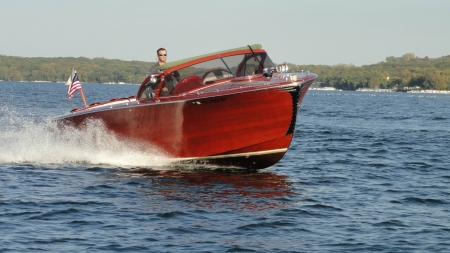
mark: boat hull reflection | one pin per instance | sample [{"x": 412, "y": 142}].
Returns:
[{"x": 217, "y": 189}]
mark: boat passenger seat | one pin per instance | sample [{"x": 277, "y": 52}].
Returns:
[{"x": 187, "y": 84}]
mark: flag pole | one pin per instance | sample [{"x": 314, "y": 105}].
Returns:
[{"x": 82, "y": 96}]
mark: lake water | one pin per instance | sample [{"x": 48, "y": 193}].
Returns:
[{"x": 365, "y": 172}]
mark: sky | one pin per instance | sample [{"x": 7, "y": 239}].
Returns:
[{"x": 327, "y": 32}]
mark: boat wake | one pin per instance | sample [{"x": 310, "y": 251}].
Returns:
[{"x": 30, "y": 140}]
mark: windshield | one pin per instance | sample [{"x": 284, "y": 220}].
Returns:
[
  {"x": 213, "y": 71},
  {"x": 236, "y": 65}
]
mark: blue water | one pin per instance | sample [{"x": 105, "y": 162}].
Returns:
[{"x": 366, "y": 172}]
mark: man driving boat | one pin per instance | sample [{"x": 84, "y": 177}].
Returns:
[{"x": 172, "y": 79}]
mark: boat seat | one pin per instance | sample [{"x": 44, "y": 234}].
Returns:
[{"x": 187, "y": 84}]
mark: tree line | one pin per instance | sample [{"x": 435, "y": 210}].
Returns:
[
  {"x": 97, "y": 70},
  {"x": 405, "y": 71}
]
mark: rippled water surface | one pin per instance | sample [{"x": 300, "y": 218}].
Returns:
[{"x": 365, "y": 172}]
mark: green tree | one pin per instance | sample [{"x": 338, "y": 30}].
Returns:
[
  {"x": 435, "y": 81},
  {"x": 390, "y": 59},
  {"x": 408, "y": 56}
]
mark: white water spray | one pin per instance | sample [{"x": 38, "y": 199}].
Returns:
[{"x": 27, "y": 140}]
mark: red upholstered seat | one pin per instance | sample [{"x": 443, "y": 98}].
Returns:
[{"x": 187, "y": 84}]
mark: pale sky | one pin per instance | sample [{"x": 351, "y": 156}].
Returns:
[{"x": 326, "y": 32}]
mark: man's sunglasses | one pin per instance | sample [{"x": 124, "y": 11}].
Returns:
[{"x": 162, "y": 54}]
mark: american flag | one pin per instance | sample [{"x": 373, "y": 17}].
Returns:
[{"x": 74, "y": 86}]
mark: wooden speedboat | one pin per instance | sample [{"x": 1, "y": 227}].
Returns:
[{"x": 232, "y": 108}]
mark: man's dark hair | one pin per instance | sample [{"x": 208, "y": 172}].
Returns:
[{"x": 159, "y": 49}]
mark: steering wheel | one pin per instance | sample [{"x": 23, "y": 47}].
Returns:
[{"x": 213, "y": 70}]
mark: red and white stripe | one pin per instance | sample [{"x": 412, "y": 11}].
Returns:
[{"x": 73, "y": 87}]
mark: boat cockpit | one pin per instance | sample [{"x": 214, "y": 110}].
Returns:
[{"x": 205, "y": 73}]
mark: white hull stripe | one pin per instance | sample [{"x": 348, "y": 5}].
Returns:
[{"x": 273, "y": 151}]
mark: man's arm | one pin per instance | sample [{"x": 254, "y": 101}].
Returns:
[
  {"x": 177, "y": 75},
  {"x": 153, "y": 70}
]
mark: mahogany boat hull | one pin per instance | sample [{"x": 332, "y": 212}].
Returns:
[
  {"x": 228, "y": 108},
  {"x": 250, "y": 129}
]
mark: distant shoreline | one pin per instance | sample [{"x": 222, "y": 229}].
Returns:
[
  {"x": 314, "y": 88},
  {"x": 61, "y": 82},
  {"x": 385, "y": 90}
]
